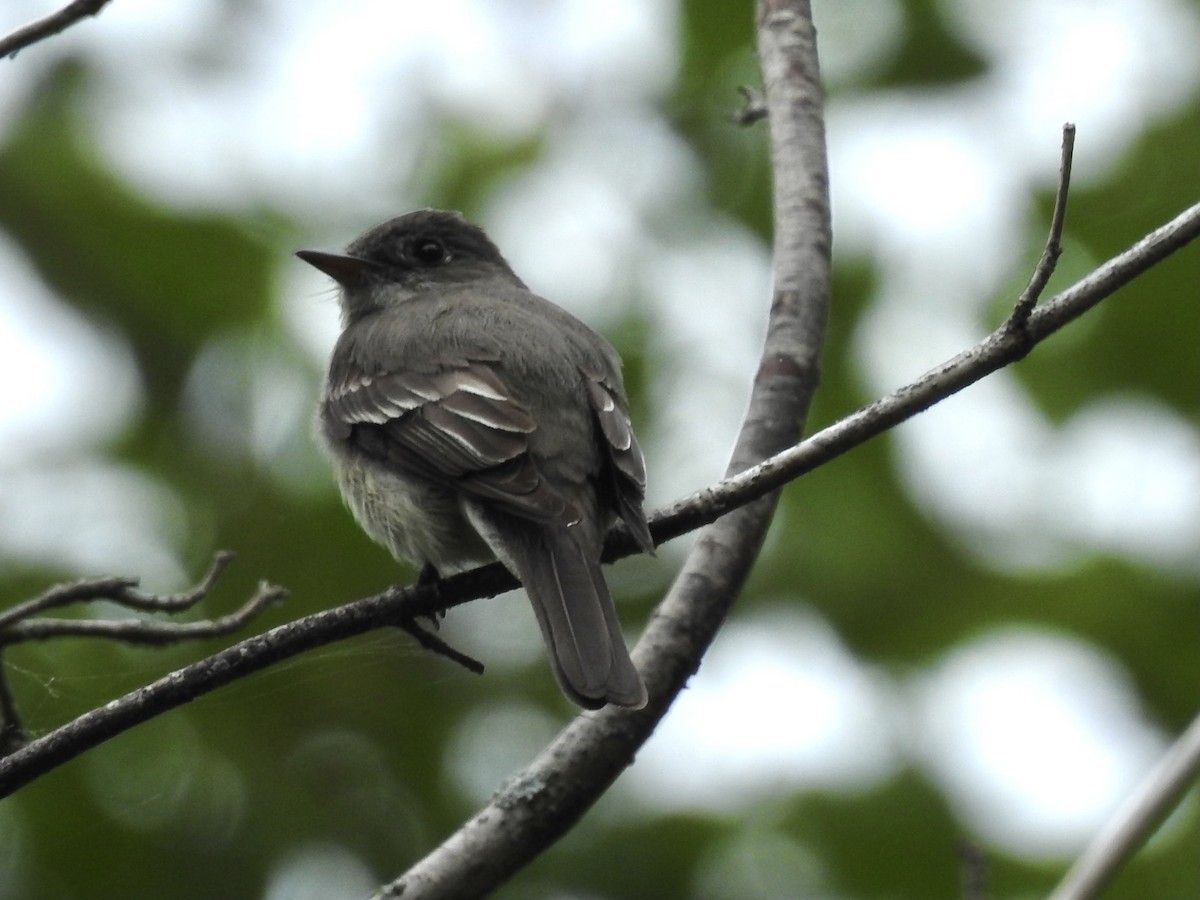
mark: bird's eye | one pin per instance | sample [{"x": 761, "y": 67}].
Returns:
[{"x": 430, "y": 252}]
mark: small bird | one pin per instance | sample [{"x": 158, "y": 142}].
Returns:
[{"x": 468, "y": 419}]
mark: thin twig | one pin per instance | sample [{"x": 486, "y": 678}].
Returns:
[
  {"x": 432, "y": 642},
  {"x": 753, "y": 108},
  {"x": 1002, "y": 347},
  {"x": 20, "y": 623},
  {"x": 82, "y": 591},
  {"x": 143, "y": 631},
  {"x": 52, "y": 24},
  {"x": 541, "y": 804},
  {"x": 116, "y": 589},
  {"x": 172, "y": 603},
  {"x": 1136, "y": 821},
  {"x": 45, "y": 753},
  {"x": 52, "y": 749},
  {"x": 12, "y": 735},
  {"x": 1053, "y": 249}
]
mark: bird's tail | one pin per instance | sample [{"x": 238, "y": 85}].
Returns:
[{"x": 560, "y": 570}]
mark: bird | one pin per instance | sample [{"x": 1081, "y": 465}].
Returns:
[{"x": 469, "y": 419}]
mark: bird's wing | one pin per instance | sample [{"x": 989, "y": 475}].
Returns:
[
  {"x": 459, "y": 426},
  {"x": 627, "y": 465}
]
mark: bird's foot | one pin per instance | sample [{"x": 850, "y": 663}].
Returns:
[{"x": 428, "y": 577}]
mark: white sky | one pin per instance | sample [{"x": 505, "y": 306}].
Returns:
[{"x": 305, "y": 110}]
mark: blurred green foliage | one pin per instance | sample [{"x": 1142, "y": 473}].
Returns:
[
  {"x": 79, "y": 224},
  {"x": 351, "y": 746}
]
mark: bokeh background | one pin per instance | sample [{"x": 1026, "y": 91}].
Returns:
[{"x": 980, "y": 630}]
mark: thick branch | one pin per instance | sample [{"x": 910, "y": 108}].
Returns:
[
  {"x": 541, "y": 804},
  {"x": 1136, "y": 821},
  {"x": 52, "y": 24},
  {"x": 700, "y": 508},
  {"x": 248, "y": 656}
]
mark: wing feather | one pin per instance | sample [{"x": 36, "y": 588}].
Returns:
[
  {"x": 459, "y": 426},
  {"x": 628, "y": 466}
]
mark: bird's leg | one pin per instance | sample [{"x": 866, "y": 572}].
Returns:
[{"x": 429, "y": 577}]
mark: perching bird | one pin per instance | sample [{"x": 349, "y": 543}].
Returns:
[{"x": 470, "y": 419}]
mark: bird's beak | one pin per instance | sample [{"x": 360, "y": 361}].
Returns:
[{"x": 345, "y": 270}]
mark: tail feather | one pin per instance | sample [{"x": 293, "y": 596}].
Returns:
[
  {"x": 580, "y": 626},
  {"x": 562, "y": 576}
]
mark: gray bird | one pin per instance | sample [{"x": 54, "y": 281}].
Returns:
[{"x": 469, "y": 419}]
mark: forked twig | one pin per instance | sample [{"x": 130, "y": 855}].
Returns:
[
  {"x": 116, "y": 589},
  {"x": 1053, "y": 249},
  {"x": 20, "y": 623}
]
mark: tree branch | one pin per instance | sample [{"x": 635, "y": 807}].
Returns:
[
  {"x": 145, "y": 632},
  {"x": 73, "y": 12},
  {"x": 540, "y": 805},
  {"x": 1001, "y": 348},
  {"x": 753, "y": 108},
  {"x": 17, "y": 624},
  {"x": 702, "y": 507},
  {"x": 12, "y": 736},
  {"x": 1053, "y": 250},
  {"x": 183, "y": 685},
  {"x": 116, "y": 589},
  {"x": 1136, "y": 821},
  {"x": 561, "y": 784}
]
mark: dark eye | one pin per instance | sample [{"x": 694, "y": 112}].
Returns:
[{"x": 429, "y": 251}]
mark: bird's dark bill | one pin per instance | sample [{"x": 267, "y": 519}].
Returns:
[{"x": 343, "y": 269}]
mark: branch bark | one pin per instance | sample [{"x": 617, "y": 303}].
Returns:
[
  {"x": 73, "y": 12},
  {"x": 1002, "y": 347},
  {"x": 23, "y": 622},
  {"x": 1136, "y": 821},
  {"x": 541, "y": 804},
  {"x": 559, "y": 786},
  {"x": 18, "y": 623},
  {"x": 997, "y": 350}
]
